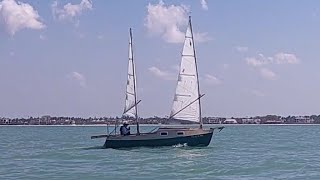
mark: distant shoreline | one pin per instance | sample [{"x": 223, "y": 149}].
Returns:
[{"x": 153, "y": 125}]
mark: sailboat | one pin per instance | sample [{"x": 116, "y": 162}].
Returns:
[
  {"x": 186, "y": 107},
  {"x": 131, "y": 109}
]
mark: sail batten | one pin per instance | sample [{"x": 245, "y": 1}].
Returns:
[
  {"x": 186, "y": 103},
  {"x": 183, "y": 95},
  {"x": 130, "y": 93},
  {"x": 188, "y": 55},
  {"x": 187, "y": 75}
]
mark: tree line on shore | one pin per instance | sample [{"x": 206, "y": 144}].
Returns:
[{"x": 48, "y": 120}]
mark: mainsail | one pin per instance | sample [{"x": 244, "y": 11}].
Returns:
[
  {"x": 186, "y": 103},
  {"x": 130, "y": 108}
]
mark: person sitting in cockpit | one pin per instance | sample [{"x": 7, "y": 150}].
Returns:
[{"x": 124, "y": 129}]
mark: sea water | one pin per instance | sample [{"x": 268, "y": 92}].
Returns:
[{"x": 237, "y": 152}]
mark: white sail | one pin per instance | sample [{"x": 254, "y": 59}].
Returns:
[
  {"x": 130, "y": 104},
  {"x": 187, "y": 90}
]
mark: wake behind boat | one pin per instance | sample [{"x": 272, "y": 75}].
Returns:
[{"x": 186, "y": 107}]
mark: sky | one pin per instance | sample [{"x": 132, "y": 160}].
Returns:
[{"x": 69, "y": 57}]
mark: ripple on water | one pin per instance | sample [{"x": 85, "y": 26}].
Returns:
[{"x": 238, "y": 152}]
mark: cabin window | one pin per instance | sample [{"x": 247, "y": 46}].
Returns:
[
  {"x": 180, "y": 133},
  {"x": 164, "y": 134}
]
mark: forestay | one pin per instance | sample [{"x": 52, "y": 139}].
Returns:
[
  {"x": 130, "y": 104},
  {"x": 187, "y": 90}
]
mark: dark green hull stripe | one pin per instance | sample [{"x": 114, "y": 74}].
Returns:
[{"x": 195, "y": 140}]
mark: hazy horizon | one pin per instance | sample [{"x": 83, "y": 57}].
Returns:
[{"x": 69, "y": 57}]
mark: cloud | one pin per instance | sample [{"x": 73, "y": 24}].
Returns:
[
  {"x": 279, "y": 58},
  {"x": 268, "y": 74},
  {"x": 210, "y": 79},
  {"x": 204, "y": 4},
  {"x": 261, "y": 61},
  {"x": 17, "y": 16},
  {"x": 167, "y": 22},
  {"x": 285, "y": 58},
  {"x": 255, "y": 61},
  {"x": 242, "y": 49},
  {"x": 78, "y": 78},
  {"x": 70, "y": 12},
  {"x": 162, "y": 74}
]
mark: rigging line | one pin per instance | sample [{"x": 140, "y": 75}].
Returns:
[
  {"x": 153, "y": 129},
  {"x": 134, "y": 81},
  {"x": 186, "y": 106},
  {"x": 195, "y": 59},
  {"x": 132, "y": 107},
  {"x": 113, "y": 130}
]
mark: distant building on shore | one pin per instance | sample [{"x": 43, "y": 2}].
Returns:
[
  {"x": 300, "y": 120},
  {"x": 230, "y": 121},
  {"x": 251, "y": 121},
  {"x": 214, "y": 120}
]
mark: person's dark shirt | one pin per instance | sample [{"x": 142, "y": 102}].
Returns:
[{"x": 125, "y": 130}]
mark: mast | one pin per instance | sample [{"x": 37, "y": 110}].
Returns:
[
  {"x": 195, "y": 58},
  {"x": 134, "y": 83}
]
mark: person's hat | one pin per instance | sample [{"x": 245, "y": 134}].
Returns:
[{"x": 125, "y": 123}]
